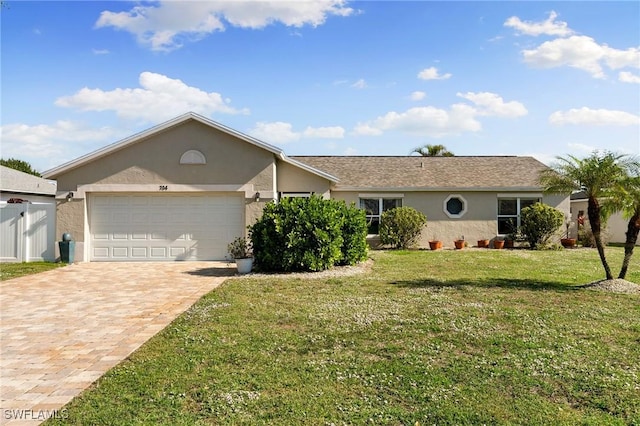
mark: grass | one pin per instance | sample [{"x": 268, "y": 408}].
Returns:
[
  {"x": 450, "y": 337},
  {"x": 14, "y": 270}
]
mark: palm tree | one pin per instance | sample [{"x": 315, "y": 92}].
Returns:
[
  {"x": 629, "y": 204},
  {"x": 433, "y": 151},
  {"x": 601, "y": 177}
]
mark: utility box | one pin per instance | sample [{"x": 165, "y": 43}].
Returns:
[{"x": 67, "y": 248}]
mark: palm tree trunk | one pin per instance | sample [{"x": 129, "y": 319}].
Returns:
[
  {"x": 633, "y": 228},
  {"x": 593, "y": 211}
]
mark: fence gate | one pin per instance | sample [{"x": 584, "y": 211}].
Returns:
[{"x": 27, "y": 232}]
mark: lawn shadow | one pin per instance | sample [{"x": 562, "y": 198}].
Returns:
[{"x": 522, "y": 284}]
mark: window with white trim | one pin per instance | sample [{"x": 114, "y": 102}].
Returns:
[
  {"x": 455, "y": 206},
  {"x": 509, "y": 209},
  {"x": 374, "y": 207}
]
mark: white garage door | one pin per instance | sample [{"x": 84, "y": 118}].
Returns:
[{"x": 164, "y": 227}]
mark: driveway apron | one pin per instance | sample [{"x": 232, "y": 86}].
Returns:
[{"x": 62, "y": 329}]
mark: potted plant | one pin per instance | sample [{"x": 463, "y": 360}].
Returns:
[
  {"x": 435, "y": 244},
  {"x": 498, "y": 243},
  {"x": 566, "y": 241},
  {"x": 240, "y": 250},
  {"x": 460, "y": 243},
  {"x": 512, "y": 236},
  {"x": 483, "y": 243}
]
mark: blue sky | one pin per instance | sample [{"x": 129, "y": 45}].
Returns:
[{"x": 325, "y": 77}]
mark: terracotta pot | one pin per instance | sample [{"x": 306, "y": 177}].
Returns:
[
  {"x": 568, "y": 242},
  {"x": 459, "y": 244},
  {"x": 498, "y": 244},
  {"x": 435, "y": 245},
  {"x": 483, "y": 243}
]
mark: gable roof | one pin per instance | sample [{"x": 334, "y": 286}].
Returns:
[
  {"x": 23, "y": 183},
  {"x": 124, "y": 143},
  {"x": 415, "y": 173}
]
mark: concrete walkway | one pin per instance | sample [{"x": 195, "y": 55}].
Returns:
[{"x": 62, "y": 329}]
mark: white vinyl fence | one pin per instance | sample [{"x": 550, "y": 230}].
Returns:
[{"x": 27, "y": 232}]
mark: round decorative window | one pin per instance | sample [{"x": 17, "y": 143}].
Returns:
[{"x": 455, "y": 206}]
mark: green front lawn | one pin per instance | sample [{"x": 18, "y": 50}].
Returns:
[
  {"x": 449, "y": 337},
  {"x": 14, "y": 270}
]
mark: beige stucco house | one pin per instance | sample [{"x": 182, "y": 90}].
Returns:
[{"x": 184, "y": 189}]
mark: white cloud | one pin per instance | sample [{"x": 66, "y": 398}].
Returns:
[
  {"x": 432, "y": 73},
  {"x": 491, "y": 104},
  {"x": 281, "y": 132},
  {"x": 159, "y": 98},
  {"x": 360, "y": 84},
  {"x": 165, "y": 25},
  {"x": 100, "y": 51},
  {"x": 574, "y": 146},
  {"x": 366, "y": 129},
  {"x": 427, "y": 121},
  {"x": 417, "y": 96},
  {"x": 627, "y": 77},
  {"x": 581, "y": 52},
  {"x": 438, "y": 122},
  {"x": 324, "y": 132},
  {"x": 594, "y": 117},
  {"x": 350, "y": 151},
  {"x": 548, "y": 27},
  {"x": 48, "y": 144}
]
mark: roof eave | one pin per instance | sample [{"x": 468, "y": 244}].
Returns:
[{"x": 341, "y": 188}]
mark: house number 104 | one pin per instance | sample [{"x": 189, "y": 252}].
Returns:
[{"x": 163, "y": 187}]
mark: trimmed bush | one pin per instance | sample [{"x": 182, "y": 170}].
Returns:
[
  {"x": 354, "y": 234},
  {"x": 539, "y": 223},
  {"x": 401, "y": 227},
  {"x": 307, "y": 234}
]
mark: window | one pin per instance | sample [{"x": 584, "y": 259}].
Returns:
[
  {"x": 509, "y": 212},
  {"x": 455, "y": 206},
  {"x": 374, "y": 207}
]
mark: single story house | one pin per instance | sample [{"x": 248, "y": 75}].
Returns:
[
  {"x": 184, "y": 189},
  {"x": 27, "y": 217}
]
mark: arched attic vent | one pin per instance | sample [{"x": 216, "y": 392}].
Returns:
[{"x": 193, "y": 157}]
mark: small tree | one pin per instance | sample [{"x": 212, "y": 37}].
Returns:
[
  {"x": 433, "y": 151},
  {"x": 401, "y": 227},
  {"x": 20, "y": 165},
  {"x": 599, "y": 176},
  {"x": 539, "y": 222}
]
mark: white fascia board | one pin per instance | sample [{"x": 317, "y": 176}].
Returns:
[
  {"x": 310, "y": 169},
  {"x": 432, "y": 189}
]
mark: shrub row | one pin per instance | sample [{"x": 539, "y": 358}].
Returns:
[{"x": 308, "y": 234}]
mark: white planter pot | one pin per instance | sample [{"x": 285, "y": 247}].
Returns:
[{"x": 244, "y": 265}]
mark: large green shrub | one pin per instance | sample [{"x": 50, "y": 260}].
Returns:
[
  {"x": 401, "y": 227},
  {"x": 307, "y": 234},
  {"x": 354, "y": 234},
  {"x": 539, "y": 222}
]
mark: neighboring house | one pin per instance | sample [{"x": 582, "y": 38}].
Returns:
[
  {"x": 186, "y": 188},
  {"x": 27, "y": 217},
  {"x": 615, "y": 230}
]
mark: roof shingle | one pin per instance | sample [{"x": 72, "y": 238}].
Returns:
[{"x": 480, "y": 173}]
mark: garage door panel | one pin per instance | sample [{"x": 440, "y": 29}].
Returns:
[{"x": 164, "y": 227}]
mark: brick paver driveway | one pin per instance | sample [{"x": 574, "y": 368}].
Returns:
[{"x": 63, "y": 329}]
